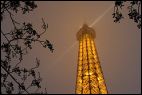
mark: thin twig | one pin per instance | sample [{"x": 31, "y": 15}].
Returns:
[
  {"x": 8, "y": 40},
  {"x": 13, "y": 78}
]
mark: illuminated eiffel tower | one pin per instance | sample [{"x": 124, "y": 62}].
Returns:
[{"x": 89, "y": 73}]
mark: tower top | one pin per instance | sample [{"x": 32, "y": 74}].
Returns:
[{"x": 85, "y": 30}]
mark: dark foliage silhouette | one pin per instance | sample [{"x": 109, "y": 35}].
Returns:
[
  {"x": 15, "y": 78},
  {"x": 134, "y": 11}
]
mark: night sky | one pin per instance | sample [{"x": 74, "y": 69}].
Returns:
[{"x": 118, "y": 45}]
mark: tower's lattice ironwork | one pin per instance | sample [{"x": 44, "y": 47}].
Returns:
[{"x": 90, "y": 78}]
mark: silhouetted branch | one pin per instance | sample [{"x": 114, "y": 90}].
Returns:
[
  {"x": 134, "y": 12},
  {"x": 13, "y": 21},
  {"x": 14, "y": 78},
  {"x": 13, "y": 50}
]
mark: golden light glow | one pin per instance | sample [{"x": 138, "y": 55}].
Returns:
[{"x": 89, "y": 73}]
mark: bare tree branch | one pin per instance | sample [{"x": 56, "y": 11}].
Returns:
[{"x": 12, "y": 49}]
